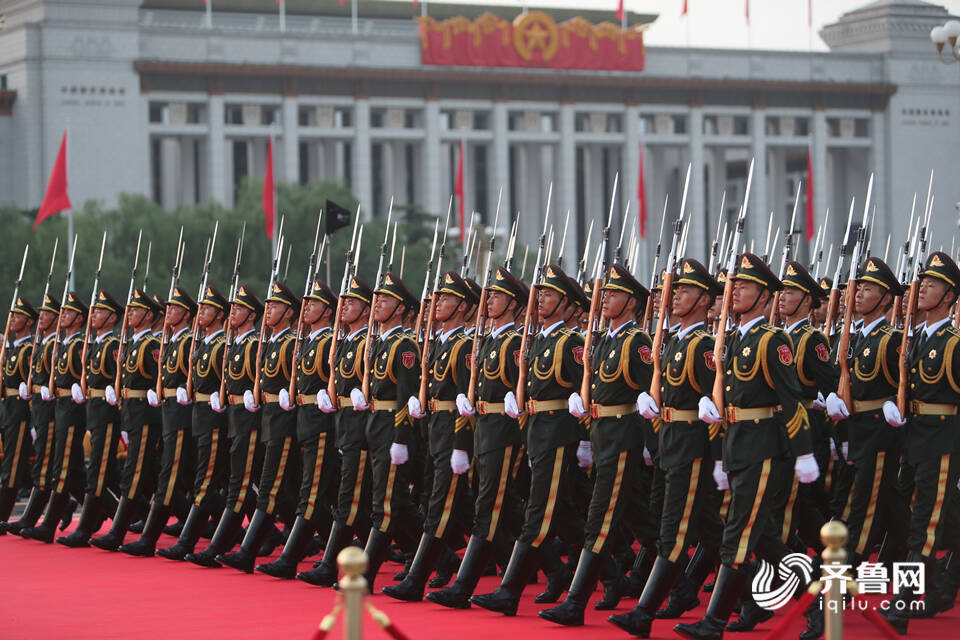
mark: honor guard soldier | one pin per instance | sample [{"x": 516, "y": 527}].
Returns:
[
  {"x": 276, "y": 499},
  {"x": 209, "y": 427},
  {"x": 243, "y": 426},
  {"x": 17, "y": 448},
  {"x": 394, "y": 378},
  {"x": 138, "y": 478},
  {"x": 178, "y": 451},
  {"x": 621, "y": 366},
  {"x": 353, "y": 499},
  {"x": 315, "y": 426},
  {"x": 767, "y": 427},
  {"x": 103, "y": 420},
  {"x": 688, "y": 447},
  {"x": 555, "y": 361},
  {"x": 497, "y": 441},
  {"x": 450, "y": 435},
  {"x": 69, "y": 419},
  {"x": 41, "y": 418}
]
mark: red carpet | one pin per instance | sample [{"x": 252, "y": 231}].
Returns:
[{"x": 52, "y": 592}]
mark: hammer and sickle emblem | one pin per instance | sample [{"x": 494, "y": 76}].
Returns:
[{"x": 536, "y": 31}]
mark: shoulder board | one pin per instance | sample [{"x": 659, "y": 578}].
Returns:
[
  {"x": 887, "y": 329},
  {"x": 766, "y": 326},
  {"x": 953, "y": 331},
  {"x": 702, "y": 333}
]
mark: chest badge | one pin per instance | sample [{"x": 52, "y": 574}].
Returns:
[
  {"x": 932, "y": 354},
  {"x": 236, "y": 358},
  {"x": 493, "y": 355},
  {"x": 546, "y": 354},
  {"x": 612, "y": 353},
  {"x": 866, "y": 352},
  {"x": 677, "y": 356},
  {"x": 746, "y": 352}
]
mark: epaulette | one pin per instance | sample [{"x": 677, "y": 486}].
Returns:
[
  {"x": 702, "y": 333},
  {"x": 887, "y": 329},
  {"x": 952, "y": 330}
]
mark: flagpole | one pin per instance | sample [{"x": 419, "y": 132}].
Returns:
[
  {"x": 70, "y": 210},
  {"x": 273, "y": 192},
  {"x": 283, "y": 14},
  {"x": 209, "y": 16},
  {"x": 423, "y": 8},
  {"x": 354, "y": 17}
]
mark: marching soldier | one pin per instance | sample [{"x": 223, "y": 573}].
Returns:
[
  {"x": 209, "y": 427},
  {"x": 103, "y": 420},
  {"x": 243, "y": 426},
  {"x": 315, "y": 426},
  {"x": 556, "y": 364},
  {"x": 141, "y": 421},
  {"x": 621, "y": 369},
  {"x": 41, "y": 418},
  {"x": 353, "y": 498},
  {"x": 687, "y": 448},
  {"x": 767, "y": 426}
]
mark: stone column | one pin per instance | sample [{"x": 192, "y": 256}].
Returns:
[
  {"x": 362, "y": 180},
  {"x": 566, "y": 187},
  {"x": 291, "y": 142},
  {"x": 217, "y": 148},
  {"x": 433, "y": 198},
  {"x": 696, "y": 237},
  {"x": 500, "y": 158},
  {"x": 631, "y": 167},
  {"x": 758, "y": 210},
  {"x": 820, "y": 182},
  {"x": 882, "y": 188}
]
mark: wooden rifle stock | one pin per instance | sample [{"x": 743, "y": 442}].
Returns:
[
  {"x": 477, "y": 343},
  {"x": 6, "y": 337},
  {"x": 298, "y": 340},
  {"x": 521, "y": 393},
  {"x": 194, "y": 331},
  {"x": 332, "y": 382},
  {"x": 368, "y": 349},
  {"x": 830, "y": 320},
  {"x": 912, "y": 296},
  {"x": 648, "y": 317},
  {"x": 425, "y": 356},
  {"x": 53, "y": 354},
  {"x": 843, "y": 348},
  {"x": 666, "y": 296},
  {"x": 83, "y": 354},
  {"x": 774, "y": 316},
  {"x": 721, "y": 341},
  {"x": 588, "y": 343}
]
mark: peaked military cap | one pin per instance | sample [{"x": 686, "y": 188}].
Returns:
[
  {"x": 826, "y": 284},
  {"x": 214, "y": 298},
  {"x": 394, "y": 287},
  {"x": 142, "y": 300},
  {"x": 454, "y": 285},
  {"x": 322, "y": 293},
  {"x": 107, "y": 302},
  {"x": 23, "y": 307},
  {"x": 74, "y": 303},
  {"x": 281, "y": 293},
  {"x": 797, "y": 276},
  {"x": 877, "y": 272},
  {"x": 940, "y": 265},
  {"x": 245, "y": 298},
  {"x": 475, "y": 289},
  {"x": 359, "y": 289},
  {"x": 581, "y": 299},
  {"x": 183, "y": 299},
  {"x": 554, "y": 278},
  {"x": 722, "y": 276},
  {"x": 161, "y": 303},
  {"x": 50, "y": 303},
  {"x": 752, "y": 269},
  {"x": 504, "y": 282},
  {"x": 695, "y": 274},
  {"x": 619, "y": 279}
]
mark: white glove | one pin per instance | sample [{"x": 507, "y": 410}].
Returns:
[
  {"x": 820, "y": 403},
  {"x": 708, "y": 411},
  {"x": 510, "y": 405},
  {"x": 720, "y": 476},
  {"x": 836, "y": 408},
  {"x": 152, "y": 398},
  {"x": 215, "y": 402},
  {"x": 833, "y": 450},
  {"x": 284, "y": 400},
  {"x": 77, "y": 393},
  {"x": 575, "y": 404},
  {"x": 323, "y": 401},
  {"x": 110, "y": 394},
  {"x": 399, "y": 454},
  {"x": 584, "y": 453},
  {"x": 844, "y": 448},
  {"x": 182, "y": 397},
  {"x": 892, "y": 414},
  {"x": 249, "y": 403},
  {"x": 33, "y": 434},
  {"x": 125, "y": 437},
  {"x": 413, "y": 406},
  {"x": 647, "y": 458},
  {"x": 464, "y": 406},
  {"x": 358, "y": 400},
  {"x": 23, "y": 391},
  {"x": 806, "y": 468},
  {"x": 45, "y": 393},
  {"x": 459, "y": 462},
  {"x": 647, "y": 407}
]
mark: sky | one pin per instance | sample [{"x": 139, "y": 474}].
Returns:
[{"x": 774, "y": 24}]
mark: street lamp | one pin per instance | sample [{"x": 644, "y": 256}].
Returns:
[{"x": 947, "y": 34}]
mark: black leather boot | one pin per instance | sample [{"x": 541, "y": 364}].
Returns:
[
  {"x": 558, "y": 575},
  {"x": 146, "y": 546},
  {"x": 428, "y": 555},
  {"x": 30, "y": 514},
  {"x": 639, "y": 621},
  {"x": 260, "y": 527},
  {"x": 446, "y": 569},
  {"x": 642, "y": 565},
  {"x": 118, "y": 528},
  {"x": 299, "y": 540},
  {"x": 274, "y": 538},
  {"x": 377, "y": 550},
  {"x": 8, "y": 498},
  {"x": 91, "y": 518},
  {"x": 506, "y": 597},
  {"x": 751, "y": 614},
  {"x": 614, "y": 586},
  {"x": 325, "y": 573},
  {"x": 941, "y": 591},
  {"x": 570, "y": 612},
  {"x": 898, "y": 614},
  {"x": 726, "y": 594},
  {"x": 56, "y": 507},
  {"x": 192, "y": 528},
  {"x": 223, "y": 540},
  {"x": 683, "y": 597},
  {"x": 475, "y": 560}
]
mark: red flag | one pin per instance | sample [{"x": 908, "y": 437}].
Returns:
[
  {"x": 810, "y": 218},
  {"x": 55, "y": 199},
  {"x": 642, "y": 198},
  {"x": 458, "y": 192},
  {"x": 747, "y": 11},
  {"x": 809, "y": 13},
  {"x": 269, "y": 199},
  {"x": 684, "y": 11},
  {"x": 620, "y": 11}
]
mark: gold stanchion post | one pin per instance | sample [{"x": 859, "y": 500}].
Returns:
[
  {"x": 834, "y": 537},
  {"x": 353, "y": 563}
]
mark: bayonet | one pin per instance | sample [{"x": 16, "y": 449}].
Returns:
[{"x": 563, "y": 240}]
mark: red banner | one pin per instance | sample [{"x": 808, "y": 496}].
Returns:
[{"x": 531, "y": 40}]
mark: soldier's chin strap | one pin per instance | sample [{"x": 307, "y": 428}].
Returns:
[
  {"x": 755, "y": 302},
  {"x": 805, "y": 296},
  {"x": 874, "y": 307},
  {"x": 552, "y": 311},
  {"x": 505, "y": 309},
  {"x": 692, "y": 306}
]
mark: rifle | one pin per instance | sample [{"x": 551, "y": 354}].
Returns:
[
  {"x": 195, "y": 330},
  {"x": 146, "y": 272},
  {"x": 418, "y": 324},
  {"x": 666, "y": 295},
  {"x": 274, "y": 272},
  {"x": 482, "y": 310},
  {"x": 231, "y": 294},
  {"x": 766, "y": 244},
  {"x": 593, "y": 318},
  {"x": 13, "y": 305},
  {"x": 377, "y": 283},
  {"x": 165, "y": 330},
  {"x": 821, "y": 240},
  {"x": 511, "y": 244},
  {"x": 46, "y": 290},
  {"x": 718, "y": 383},
  {"x": 563, "y": 238},
  {"x": 468, "y": 248},
  {"x": 582, "y": 265},
  {"x": 618, "y": 254},
  {"x": 428, "y": 333},
  {"x": 833, "y": 301},
  {"x": 654, "y": 275},
  {"x": 86, "y": 334},
  {"x": 786, "y": 255},
  {"x": 122, "y": 347},
  {"x": 347, "y": 273},
  {"x": 843, "y": 388},
  {"x": 63, "y": 300},
  {"x": 715, "y": 247},
  {"x": 308, "y": 285},
  {"x": 528, "y": 317}
]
